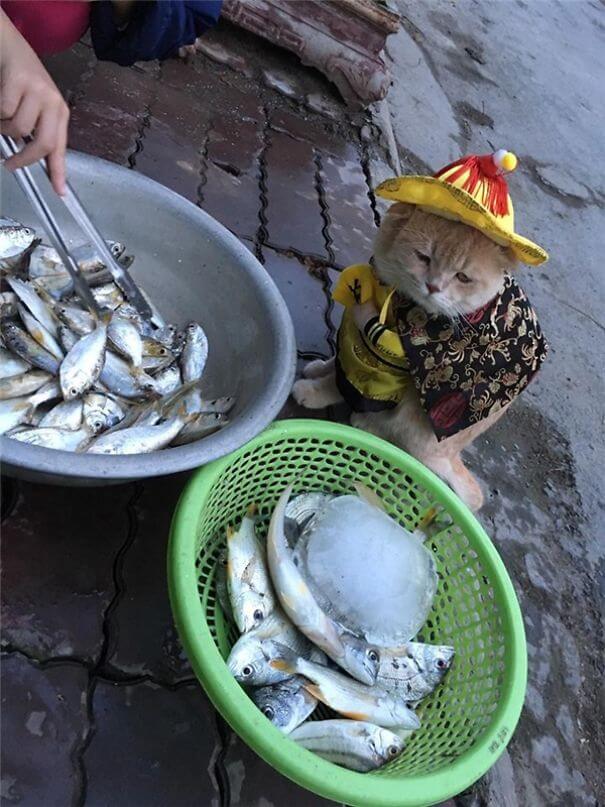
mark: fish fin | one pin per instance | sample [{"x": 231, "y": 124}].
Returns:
[
  {"x": 252, "y": 510},
  {"x": 315, "y": 690},
  {"x": 426, "y": 520},
  {"x": 231, "y": 532},
  {"x": 369, "y": 496},
  {"x": 356, "y": 716},
  {"x": 282, "y": 665}
]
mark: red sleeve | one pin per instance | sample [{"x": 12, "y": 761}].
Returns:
[{"x": 49, "y": 27}]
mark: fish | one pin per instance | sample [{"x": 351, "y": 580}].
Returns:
[
  {"x": 101, "y": 412},
  {"x": 77, "y": 320},
  {"x": 167, "y": 335},
  {"x": 348, "y": 697},
  {"x": 414, "y": 670},
  {"x": 138, "y": 439},
  {"x": 38, "y": 332},
  {"x": 18, "y": 385},
  {"x": 8, "y": 304},
  {"x": 65, "y": 415},
  {"x": 30, "y": 299},
  {"x": 353, "y": 744},
  {"x": 16, "y": 411},
  {"x": 21, "y": 343},
  {"x": 250, "y": 589},
  {"x": 195, "y": 353},
  {"x": 286, "y": 704},
  {"x": 61, "y": 286},
  {"x": 199, "y": 426},
  {"x": 155, "y": 364},
  {"x": 46, "y": 262},
  {"x": 152, "y": 348},
  {"x": 108, "y": 296},
  {"x": 250, "y": 658},
  {"x": 221, "y": 406},
  {"x": 11, "y": 365},
  {"x": 59, "y": 439},
  {"x": 67, "y": 338},
  {"x": 126, "y": 339},
  {"x": 83, "y": 364},
  {"x": 117, "y": 376},
  {"x": 353, "y": 654},
  {"x": 167, "y": 380},
  {"x": 16, "y": 244}
]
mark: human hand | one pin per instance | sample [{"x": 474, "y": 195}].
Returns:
[{"x": 31, "y": 104}]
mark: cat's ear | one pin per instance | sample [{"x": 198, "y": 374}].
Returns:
[{"x": 400, "y": 212}]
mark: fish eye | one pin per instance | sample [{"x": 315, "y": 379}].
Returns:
[
  {"x": 258, "y": 615},
  {"x": 73, "y": 391},
  {"x": 392, "y": 751},
  {"x": 268, "y": 712},
  {"x": 441, "y": 664},
  {"x": 463, "y": 278},
  {"x": 247, "y": 670},
  {"x": 423, "y": 257},
  {"x": 373, "y": 655}
]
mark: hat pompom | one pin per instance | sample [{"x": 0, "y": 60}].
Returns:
[{"x": 505, "y": 160}]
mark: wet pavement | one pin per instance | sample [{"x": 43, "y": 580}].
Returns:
[{"x": 99, "y": 703}]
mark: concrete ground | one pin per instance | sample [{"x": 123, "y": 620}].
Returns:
[{"x": 99, "y": 704}]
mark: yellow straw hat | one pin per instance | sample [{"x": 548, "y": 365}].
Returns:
[{"x": 472, "y": 190}]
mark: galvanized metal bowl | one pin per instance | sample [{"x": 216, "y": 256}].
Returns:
[{"x": 193, "y": 269}]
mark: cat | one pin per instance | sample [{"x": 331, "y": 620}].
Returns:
[{"x": 448, "y": 268}]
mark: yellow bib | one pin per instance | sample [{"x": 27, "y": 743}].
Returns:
[{"x": 372, "y": 369}]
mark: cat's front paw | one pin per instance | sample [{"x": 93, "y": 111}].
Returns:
[{"x": 306, "y": 393}]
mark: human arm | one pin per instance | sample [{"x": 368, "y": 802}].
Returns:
[{"x": 31, "y": 103}]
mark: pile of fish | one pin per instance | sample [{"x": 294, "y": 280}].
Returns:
[
  {"x": 327, "y": 611},
  {"x": 105, "y": 384}
]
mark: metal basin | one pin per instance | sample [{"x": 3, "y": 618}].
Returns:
[{"x": 192, "y": 268}]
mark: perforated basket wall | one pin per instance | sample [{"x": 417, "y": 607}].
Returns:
[{"x": 475, "y": 608}]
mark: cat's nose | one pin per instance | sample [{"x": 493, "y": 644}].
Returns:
[{"x": 432, "y": 289}]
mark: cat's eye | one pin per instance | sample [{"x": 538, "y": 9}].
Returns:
[
  {"x": 463, "y": 278},
  {"x": 422, "y": 257}
]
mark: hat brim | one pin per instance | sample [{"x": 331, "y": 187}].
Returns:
[{"x": 444, "y": 199}]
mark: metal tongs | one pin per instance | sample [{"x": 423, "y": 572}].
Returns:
[{"x": 120, "y": 275}]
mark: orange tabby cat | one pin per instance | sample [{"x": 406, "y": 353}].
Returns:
[{"x": 447, "y": 268}]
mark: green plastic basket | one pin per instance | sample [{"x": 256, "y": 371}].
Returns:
[{"x": 467, "y": 722}]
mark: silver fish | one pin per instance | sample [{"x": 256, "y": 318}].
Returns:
[
  {"x": 84, "y": 362},
  {"x": 167, "y": 380},
  {"x": 60, "y": 286},
  {"x": 38, "y": 332},
  {"x": 166, "y": 335},
  {"x": 221, "y": 406},
  {"x": 21, "y": 410},
  {"x": 250, "y": 659},
  {"x": 100, "y": 412},
  {"x": 77, "y": 320},
  {"x": 46, "y": 262},
  {"x": 155, "y": 349},
  {"x": 60, "y": 439},
  {"x": 16, "y": 244},
  {"x": 138, "y": 439},
  {"x": 155, "y": 364},
  {"x": 414, "y": 670},
  {"x": 128, "y": 311},
  {"x": 199, "y": 426},
  {"x": 125, "y": 337},
  {"x": 27, "y": 294},
  {"x": 221, "y": 586},
  {"x": 108, "y": 296},
  {"x": 195, "y": 353},
  {"x": 65, "y": 415},
  {"x": 67, "y": 338},
  {"x": 250, "y": 589},
  {"x": 286, "y": 704},
  {"x": 17, "y": 385},
  {"x": 350, "y": 652},
  {"x": 11, "y": 365},
  {"x": 357, "y": 745},
  {"x": 8, "y": 304},
  {"x": 351, "y": 698},
  {"x": 21, "y": 343}
]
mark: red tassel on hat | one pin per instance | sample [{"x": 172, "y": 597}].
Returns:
[{"x": 485, "y": 171}]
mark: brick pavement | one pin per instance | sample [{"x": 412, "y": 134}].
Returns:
[{"x": 100, "y": 706}]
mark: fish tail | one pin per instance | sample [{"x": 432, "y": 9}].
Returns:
[
  {"x": 315, "y": 690},
  {"x": 252, "y": 510},
  {"x": 230, "y": 532},
  {"x": 369, "y": 496}
]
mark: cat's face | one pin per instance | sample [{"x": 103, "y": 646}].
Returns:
[{"x": 444, "y": 266}]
